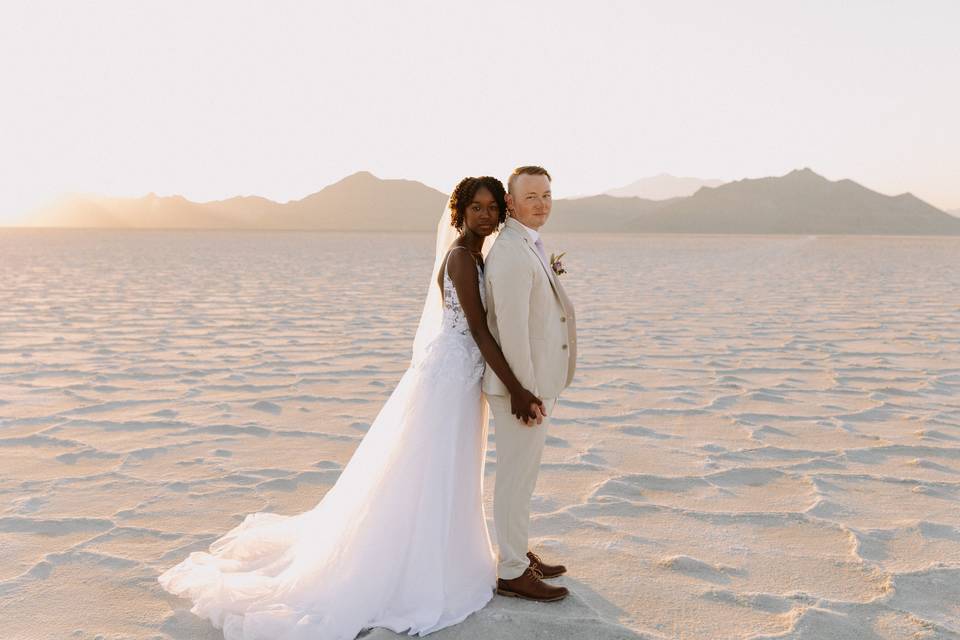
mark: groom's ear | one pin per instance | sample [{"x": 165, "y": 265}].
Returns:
[{"x": 509, "y": 200}]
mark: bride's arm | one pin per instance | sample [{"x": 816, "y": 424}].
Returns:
[{"x": 463, "y": 273}]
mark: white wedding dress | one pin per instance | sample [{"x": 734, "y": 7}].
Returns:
[{"x": 400, "y": 541}]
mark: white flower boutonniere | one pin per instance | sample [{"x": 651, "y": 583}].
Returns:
[{"x": 555, "y": 263}]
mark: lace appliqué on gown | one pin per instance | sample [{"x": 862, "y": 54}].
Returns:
[{"x": 454, "y": 339}]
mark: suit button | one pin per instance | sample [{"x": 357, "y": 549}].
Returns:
[
  {"x": 564, "y": 346},
  {"x": 563, "y": 319}
]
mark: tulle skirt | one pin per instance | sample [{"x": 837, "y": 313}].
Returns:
[{"x": 400, "y": 540}]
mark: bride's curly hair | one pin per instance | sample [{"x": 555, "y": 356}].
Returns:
[{"x": 463, "y": 195}]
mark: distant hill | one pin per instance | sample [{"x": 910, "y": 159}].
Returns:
[
  {"x": 600, "y": 213},
  {"x": 662, "y": 187},
  {"x": 364, "y": 202},
  {"x": 148, "y": 212},
  {"x": 801, "y": 202}
]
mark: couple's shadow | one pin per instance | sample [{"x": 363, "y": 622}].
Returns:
[
  {"x": 503, "y": 617},
  {"x": 571, "y": 618}
]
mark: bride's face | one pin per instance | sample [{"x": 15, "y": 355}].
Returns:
[{"x": 483, "y": 213}]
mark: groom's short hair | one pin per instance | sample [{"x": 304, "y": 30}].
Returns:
[{"x": 530, "y": 170}]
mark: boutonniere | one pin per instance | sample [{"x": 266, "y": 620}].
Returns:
[{"x": 555, "y": 263}]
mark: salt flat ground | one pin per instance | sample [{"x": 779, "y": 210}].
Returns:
[{"x": 762, "y": 440}]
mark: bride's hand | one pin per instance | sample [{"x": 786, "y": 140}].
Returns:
[{"x": 527, "y": 407}]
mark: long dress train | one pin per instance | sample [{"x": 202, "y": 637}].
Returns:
[{"x": 400, "y": 540}]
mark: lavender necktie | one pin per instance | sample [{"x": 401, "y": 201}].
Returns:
[{"x": 539, "y": 245}]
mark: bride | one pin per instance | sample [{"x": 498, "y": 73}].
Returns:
[{"x": 400, "y": 541}]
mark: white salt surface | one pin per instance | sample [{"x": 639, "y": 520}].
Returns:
[{"x": 762, "y": 440}]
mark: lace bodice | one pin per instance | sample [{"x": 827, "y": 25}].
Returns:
[
  {"x": 454, "y": 354},
  {"x": 453, "y": 316}
]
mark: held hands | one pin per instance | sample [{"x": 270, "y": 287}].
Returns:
[
  {"x": 536, "y": 407},
  {"x": 527, "y": 407}
]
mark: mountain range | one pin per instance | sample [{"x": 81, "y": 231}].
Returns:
[
  {"x": 359, "y": 202},
  {"x": 800, "y": 202}
]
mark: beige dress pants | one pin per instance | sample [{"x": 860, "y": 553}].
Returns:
[{"x": 519, "y": 449}]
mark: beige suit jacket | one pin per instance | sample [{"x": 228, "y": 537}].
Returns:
[{"x": 529, "y": 315}]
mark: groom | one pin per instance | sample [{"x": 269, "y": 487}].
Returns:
[{"x": 531, "y": 317}]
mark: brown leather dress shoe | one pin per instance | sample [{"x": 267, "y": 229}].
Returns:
[
  {"x": 529, "y": 586},
  {"x": 548, "y": 570}
]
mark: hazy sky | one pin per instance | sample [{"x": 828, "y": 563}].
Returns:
[{"x": 215, "y": 99}]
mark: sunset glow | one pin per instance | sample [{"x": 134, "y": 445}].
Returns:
[{"x": 216, "y": 99}]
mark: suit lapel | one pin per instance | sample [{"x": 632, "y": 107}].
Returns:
[{"x": 517, "y": 227}]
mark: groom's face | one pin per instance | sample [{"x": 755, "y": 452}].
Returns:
[{"x": 531, "y": 200}]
